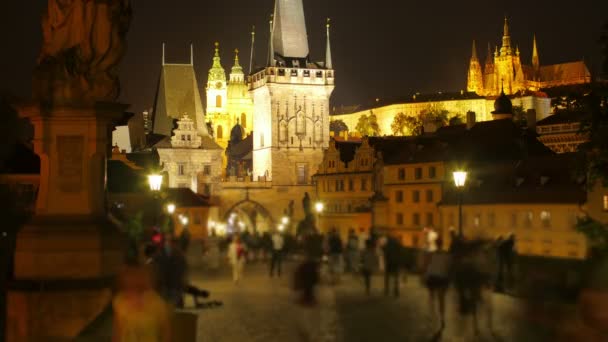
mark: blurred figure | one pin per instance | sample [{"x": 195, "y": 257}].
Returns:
[
  {"x": 278, "y": 244},
  {"x": 212, "y": 247},
  {"x": 184, "y": 240},
  {"x": 236, "y": 256},
  {"x": 307, "y": 273},
  {"x": 352, "y": 252},
  {"x": 380, "y": 242},
  {"x": 392, "y": 259},
  {"x": 140, "y": 315},
  {"x": 369, "y": 263},
  {"x": 507, "y": 257},
  {"x": 171, "y": 270},
  {"x": 436, "y": 279},
  {"x": 335, "y": 255}
]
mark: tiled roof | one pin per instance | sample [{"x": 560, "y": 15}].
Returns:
[
  {"x": 564, "y": 72},
  {"x": 548, "y": 179}
]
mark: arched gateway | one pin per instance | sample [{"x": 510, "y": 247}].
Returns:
[{"x": 248, "y": 215}]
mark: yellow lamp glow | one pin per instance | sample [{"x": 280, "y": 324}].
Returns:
[
  {"x": 460, "y": 178},
  {"x": 155, "y": 181}
]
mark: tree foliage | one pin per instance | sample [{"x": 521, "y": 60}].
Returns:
[
  {"x": 398, "y": 126},
  {"x": 337, "y": 127},
  {"x": 368, "y": 125}
]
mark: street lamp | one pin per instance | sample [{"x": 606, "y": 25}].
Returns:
[
  {"x": 460, "y": 179},
  {"x": 319, "y": 207},
  {"x": 155, "y": 181},
  {"x": 281, "y": 227},
  {"x": 184, "y": 220},
  {"x": 285, "y": 220},
  {"x": 171, "y": 208}
]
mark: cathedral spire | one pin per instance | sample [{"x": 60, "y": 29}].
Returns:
[
  {"x": 506, "y": 50},
  {"x": 290, "y": 37},
  {"x": 217, "y": 72},
  {"x": 252, "y": 49},
  {"x": 489, "y": 59},
  {"x": 163, "y": 53},
  {"x": 328, "y": 61},
  {"x": 475, "y": 77},
  {"x": 191, "y": 54},
  {"x": 474, "y": 51},
  {"x": 535, "y": 58},
  {"x": 271, "y": 61}
]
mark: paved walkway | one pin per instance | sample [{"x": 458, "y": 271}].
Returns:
[{"x": 264, "y": 309}]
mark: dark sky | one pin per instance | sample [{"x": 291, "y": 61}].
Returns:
[{"x": 381, "y": 48}]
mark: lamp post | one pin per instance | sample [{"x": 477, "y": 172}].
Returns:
[
  {"x": 319, "y": 207},
  {"x": 460, "y": 179}
]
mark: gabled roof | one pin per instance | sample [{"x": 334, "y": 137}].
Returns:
[{"x": 177, "y": 94}]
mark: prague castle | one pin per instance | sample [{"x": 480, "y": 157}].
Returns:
[{"x": 503, "y": 68}]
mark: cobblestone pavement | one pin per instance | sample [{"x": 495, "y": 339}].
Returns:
[{"x": 264, "y": 309}]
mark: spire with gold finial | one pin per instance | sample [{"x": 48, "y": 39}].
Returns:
[
  {"x": 474, "y": 51},
  {"x": 328, "y": 61},
  {"x": 506, "y": 50},
  {"x": 271, "y": 61},
  {"x": 237, "y": 68},
  {"x": 217, "y": 72},
  {"x": 252, "y": 49}
]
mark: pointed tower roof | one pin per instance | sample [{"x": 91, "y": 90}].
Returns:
[
  {"x": 535, "y": 58},
  {"x": 290, "y": 38},
  {"x": 328, "y": 61},
  {"x": 489, "y": 55},
  {"x": 474, "y": 51},
  {"x": 271, "y": 60},
  {"x": 217, "y": 72},
  {"x": 506, "y": 40},
  {"x": 237, "y": 68},
  {"x": 252, "y": 49}
]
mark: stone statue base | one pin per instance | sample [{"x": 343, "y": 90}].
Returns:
[{"x": 67, "y": 255}]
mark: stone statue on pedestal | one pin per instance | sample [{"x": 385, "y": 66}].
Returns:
[{"x": 83, "y": 42}]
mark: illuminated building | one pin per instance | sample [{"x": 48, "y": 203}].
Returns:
[{"x": 503, "y": 68}]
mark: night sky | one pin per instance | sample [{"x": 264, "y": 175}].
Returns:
[{"x": 381, "y": 48}]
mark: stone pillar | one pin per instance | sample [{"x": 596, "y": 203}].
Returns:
[{"x": 67, "y": 255}]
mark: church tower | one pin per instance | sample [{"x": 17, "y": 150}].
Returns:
[
  {"x": 475, "y": 79},
  {"x": 291, "y": 102},
  {"x": 507, "y": 64},
  {"x": 217, "y": 93},
  {"x": 240, "y": 106}
]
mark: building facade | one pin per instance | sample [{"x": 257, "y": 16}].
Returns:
[
  {"x": 503, "y": 69},
  {"x": 191, "y": 160}
]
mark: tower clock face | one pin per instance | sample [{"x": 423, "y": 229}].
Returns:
[{"x": 218, "y": 85}]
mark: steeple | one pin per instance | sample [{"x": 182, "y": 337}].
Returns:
[
  {"x": 474, "y": 52},
  {"x": 252, "y": 49},
  {"x": 328, "y": 62},
  {"x": 237, "y": 74},
  {"x": 271, "y": 60},
  {"x": 506, "y": 50},
  {"x": 163, "y": 54},
  {"x": 475, "y": 77},
  {"x": 489, "y": 59},
  {"x": 535, "y": 58},
  {"x": 191, "y": 54},
  {"x": 217, "y": 72},
  {"x": 290, "y": 38}
]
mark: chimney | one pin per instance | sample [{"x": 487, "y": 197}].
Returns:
[
  {"x": 470, "y": 119},
  {"x": 531, "y": 119}
]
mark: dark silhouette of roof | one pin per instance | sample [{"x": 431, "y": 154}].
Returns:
[
  {"x": 563, "y": 117},
  {"x": 241, "y": 150},
  {"x": 503, "y": 104},
  {"x": 184, "y": 198},
  {"x": 21, "y": 160},
  {"x": 124, "y": 179}
]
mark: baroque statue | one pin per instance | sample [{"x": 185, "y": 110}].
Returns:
[{"x": 83, "y": 43}]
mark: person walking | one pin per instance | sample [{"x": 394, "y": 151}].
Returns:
[
  {"x": 139, "y": 312},
  {"x": 369, "y": 263},
  {"x": 392, "y": 259},
  {"x": 278, "y": 244},
  {"x": 236, "y": 256},
  {"x": 436, "y": 279},
  {"x": 335, "y": 255},
  {"x": 352, "y": 252},
  {"x": 171, "y": 268}
]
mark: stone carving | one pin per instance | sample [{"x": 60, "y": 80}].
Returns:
[
  {"x": 378, "y": 174},
  {"x": 83, "y": 42},
  {"x": 70, "y": 150}
]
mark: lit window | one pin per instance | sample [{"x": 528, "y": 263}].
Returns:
[
  {"x": 418, "y": 173},
  {"x": 220, "y": 132},
  {"x": 401, "y": 174},
  {"x": 399, "y": 219},
  {"x": 399, "y": 196},
  {"x": 477, "y": 220},
  {"x": 528, "y": 218},
  {"x": 181, "y": 169},
  {"x": 416, "y": 196},
  {"x": 207, "y": 170},
  {"x": 605, "y": 203},
  {"x": 432, "y": 172},
  {"x": 302, "y": 173},
  {"x": 244, "y": 120},
  {"x": 545, "y": 217},
  {"x": 218, "y": 101}
]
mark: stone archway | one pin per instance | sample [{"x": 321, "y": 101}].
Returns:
[{"x": 248, "y": 215}]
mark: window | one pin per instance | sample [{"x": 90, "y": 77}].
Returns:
[
  {"x": 477, "y": 220},
  {"x": 491, "y": 219},
  {"x": 351, "y": 185},
  {"x": 416, "y": 219},
  {"x": 399, "y": 196},
  {"x": 605, "y": 206},
  {"x": 302, "y": 173},
  {"x": 429, "y": 196},
  {"x": 363, "y": 184},
  {"x": 207, "y": 170},
  {"x": 416, "y": 196},
  {"x": 262, "y": 140},
  {"x": 244, "y": 120},
  {"x": 399, "y": 219},
  {"x": 220, "y": 132},
  {"x": 545, "y": 217},
  {"x": 432, "y": 172},
  {"x": 218, "y": 101},
  {"x": 418, "y": 173},
  {"x": 181, "y": 169},
  {"x": 401, "y": 174},
  {"x": 430, "y": 219},
  {"x": 528, "y": 218}
]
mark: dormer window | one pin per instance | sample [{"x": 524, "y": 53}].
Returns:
[{"x": 295, "y": 63}]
